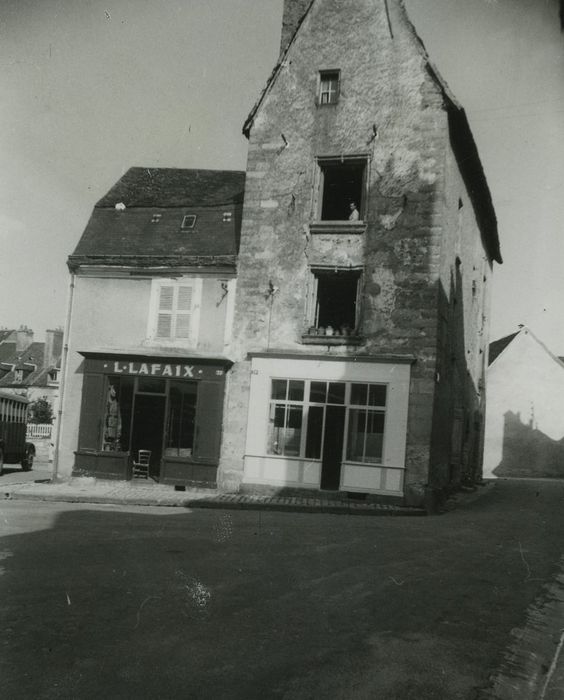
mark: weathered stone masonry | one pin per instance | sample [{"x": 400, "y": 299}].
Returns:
[{"x": 420, "y": 251}]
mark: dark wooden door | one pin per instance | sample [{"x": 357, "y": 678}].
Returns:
[
  {"x": 148, "y": 428},
  {"x": 332, "y": 447}
]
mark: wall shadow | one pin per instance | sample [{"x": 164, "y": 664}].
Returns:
[
  {"x": 527, "y": 451},
  {"x": 458, "y": 404}
]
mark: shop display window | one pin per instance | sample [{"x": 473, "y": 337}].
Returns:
[
  {"x": 297, "y": 415},
  {"x": 181, "y": 419},
  {"x": 129, "y": 410},
  {"x": 117, "y": 414}
]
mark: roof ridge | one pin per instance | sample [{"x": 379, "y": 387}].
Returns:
[{"x": 277, "y": 68}]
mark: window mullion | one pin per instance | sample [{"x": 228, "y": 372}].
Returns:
[{"x": 305, "y": 416}]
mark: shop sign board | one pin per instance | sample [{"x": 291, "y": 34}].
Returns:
[{"x": 150, "y": 368}]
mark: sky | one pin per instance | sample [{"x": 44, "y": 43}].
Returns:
[{"x": 92, "y": 87}]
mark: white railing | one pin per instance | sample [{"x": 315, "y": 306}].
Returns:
[{"x": 38, "y": 430}]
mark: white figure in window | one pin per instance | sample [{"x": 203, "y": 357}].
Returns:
[{"x": 354, "y": 215}]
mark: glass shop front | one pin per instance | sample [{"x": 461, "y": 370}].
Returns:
[{"x": 170, "y": 407}]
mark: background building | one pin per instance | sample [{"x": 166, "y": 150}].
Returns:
[
  {"x": 29, "y": 367},
  {"x": 152, "y": 294},
  {"x": 525, "y": 411}
]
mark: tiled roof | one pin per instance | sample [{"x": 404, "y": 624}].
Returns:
[
  {"x": 498, "y": 346},
  {"x": 149, "y": 228},
  {"x": 176, "y": 187},
  {"x": 31, "y": 361},
  {"x": 7, "y": 350},
  {"x": 5, "y": 334}
]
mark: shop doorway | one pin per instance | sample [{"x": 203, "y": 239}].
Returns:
[
  {"x": 148, "y": 427},
  {"x": 333, "y": 447}
]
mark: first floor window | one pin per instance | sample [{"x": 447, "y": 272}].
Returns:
[
  {"x": 297, "y": 412},
  {"x": 175, "y": 308}
]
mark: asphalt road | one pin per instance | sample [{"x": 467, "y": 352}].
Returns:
[
  {"x": 14, "y": 474},
  {"x": 172, "y": 603}
]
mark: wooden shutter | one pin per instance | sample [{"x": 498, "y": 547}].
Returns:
[
  {"x": 208, "y": 421},
  {"x": 91, "y": 412},
  {"x": 164, "y": 319},
  {"x": 183, "y": 311}
]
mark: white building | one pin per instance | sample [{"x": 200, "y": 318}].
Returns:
[{"x": 524, "y": 434}]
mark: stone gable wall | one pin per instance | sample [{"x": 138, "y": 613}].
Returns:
[{"x": 391, "y": 111}]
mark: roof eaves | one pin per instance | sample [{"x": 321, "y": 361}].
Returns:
[
  {"x": 272, "y": 78},
  {"x": 543, "y": 346},
  {"x": 150, "y": 261}
]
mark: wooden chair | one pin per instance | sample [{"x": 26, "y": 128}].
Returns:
[{"x": 141, "y": 466}]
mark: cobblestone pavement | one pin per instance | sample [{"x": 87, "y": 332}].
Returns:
[{"x": 148, "y": 493}]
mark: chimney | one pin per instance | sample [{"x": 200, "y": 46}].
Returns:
[
  {"x": 53, "y": 348},
  {"x": 24, "y": 338},
  {"x": 294, "y": 10}
]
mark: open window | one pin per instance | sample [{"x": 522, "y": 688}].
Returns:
[
  {"x": 342, "y": 185},
  {"x": 334, "y": 302}
]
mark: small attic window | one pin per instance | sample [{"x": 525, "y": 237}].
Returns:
[
  {"x": 227, "y": 216},
  {"x": 189, "y": 221},
  {"x": 329, "y": 87},
  {"x": 156, "y": 218}
]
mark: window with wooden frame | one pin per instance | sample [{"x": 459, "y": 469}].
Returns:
[
  {"x": 174, "y": 313},
  {"x": 333, "y": 301},
  {"x": 342, "y": 189},
  {"x": 297, "y": 418},
  {"x": 366, "y": 422},
  {"x": 329, "y": 84}
]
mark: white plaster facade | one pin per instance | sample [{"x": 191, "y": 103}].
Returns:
[
  {"x": 262, "y": 467},
  {"x": 524, "y": 433}
]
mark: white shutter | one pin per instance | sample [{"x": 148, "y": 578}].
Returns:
[
  {"x": 164, "y": 326},
  {"x": 184, "y": 298},
  {"x": 166, "y": 298},
  {"x": 183, "y": 311},
  {"x": 164, "y": 317},
  {"x": 175, "y": 310}
]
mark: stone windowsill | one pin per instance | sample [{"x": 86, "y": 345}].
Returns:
[
  {"x": 338, "y": 227},
  {"x": 310, "y": 339}
]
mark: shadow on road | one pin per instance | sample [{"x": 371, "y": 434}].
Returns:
[{"x": 236, "y": 604}]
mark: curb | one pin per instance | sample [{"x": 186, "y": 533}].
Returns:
[{"x": 220, "y": 503}]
